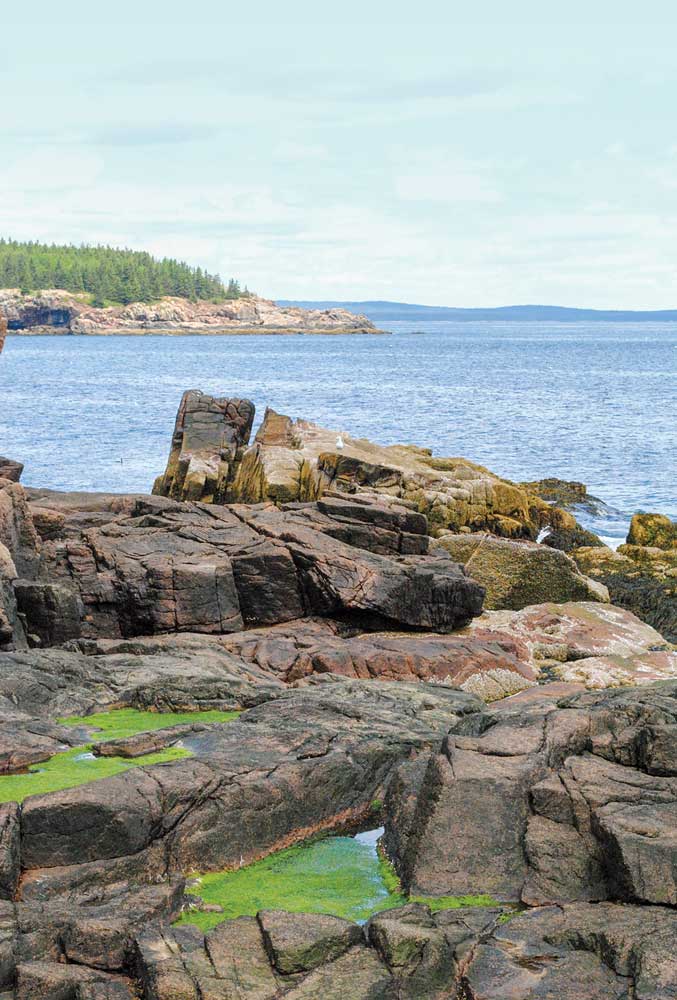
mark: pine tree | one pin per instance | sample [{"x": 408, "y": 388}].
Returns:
[{"x": 109, "y": 275}]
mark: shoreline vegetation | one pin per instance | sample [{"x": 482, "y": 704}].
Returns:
[{"x": 106, "y": 275}]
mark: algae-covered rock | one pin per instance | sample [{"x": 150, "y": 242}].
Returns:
[
  {"x": 642, "y": 578},
  {"x": 655, "y": 530},
  {"x": 519, "y": 573},
  {"x": 296, "y": 460},
  {"x": 569, "y": 539}
]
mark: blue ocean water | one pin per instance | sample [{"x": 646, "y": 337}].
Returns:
[{"x": 594, "y": 402}]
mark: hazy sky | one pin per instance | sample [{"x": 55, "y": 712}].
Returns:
[{"x": 446, "y": 153}]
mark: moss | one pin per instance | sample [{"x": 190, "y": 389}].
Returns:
[
  {"x": 338, "y": 875},
  {"x": 78, "y": 767}
]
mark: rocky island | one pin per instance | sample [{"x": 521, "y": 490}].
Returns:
[
  {"x": 101, "y": 290},
  {"x": 305, "y": 635},
  {"x": 61, "y": 312}
]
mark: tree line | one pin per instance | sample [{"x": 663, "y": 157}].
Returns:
[{"x": 108, "y": 275}]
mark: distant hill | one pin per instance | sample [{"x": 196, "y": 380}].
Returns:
[{"x": 381, "y": 312}]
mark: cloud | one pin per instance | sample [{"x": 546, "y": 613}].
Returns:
[
  {"x": 451, "y": 182},
  {"x": 152, "y": 134}
]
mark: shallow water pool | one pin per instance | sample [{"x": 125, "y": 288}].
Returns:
[
  {"x": 78, "y": 766},
  {"x": 343, "y": 876}
]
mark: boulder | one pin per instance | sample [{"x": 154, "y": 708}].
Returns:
[
  {"x": 655, "y": 530},
  {"x": 546, "y": 803},
  {"x": 641, "y": 578},
  {"x": 516, "y": 574},
  {"x": 300, "y": 942},
  {"x": 208, "y": 436},
  {"x": 10, "y": 469}
]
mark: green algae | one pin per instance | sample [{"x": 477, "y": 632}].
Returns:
[
  {"x": 75, "y": 767},
  {"x": 122, "y": 722},
  {"x": 343, "y": 876},
  {"x": 78, "y": 766}
]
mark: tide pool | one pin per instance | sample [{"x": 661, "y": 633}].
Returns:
[
  {"x": 343, "y": 876},
  {"x": 78, "y": 765}
]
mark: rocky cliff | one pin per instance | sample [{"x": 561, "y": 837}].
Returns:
[{"x": 56, "y": 311}]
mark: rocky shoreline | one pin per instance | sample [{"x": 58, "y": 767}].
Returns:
[
  {"x": 404, "y": 653},
  {"x": 58, "y": 312}
]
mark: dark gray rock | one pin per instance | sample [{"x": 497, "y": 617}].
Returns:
[
  {"x": 9, "y": 469},
  {"x": 546, "y": 803},
  {"x": 141, "y": 566},
  {"x": 300, "y": 942},
  {"x": 208, "y": 436}
]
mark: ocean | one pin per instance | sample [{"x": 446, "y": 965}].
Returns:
[{"x": 594, "y": 402}]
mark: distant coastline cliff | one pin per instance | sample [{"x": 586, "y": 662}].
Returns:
[{"x": 60, "y": 312}]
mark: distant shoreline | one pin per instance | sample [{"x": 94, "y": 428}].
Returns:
[{"x": 383, "y": 311}]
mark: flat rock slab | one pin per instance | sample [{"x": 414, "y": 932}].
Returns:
[
  {"x": 594, "y": 644},
  {"x": 298, "y": 650}
]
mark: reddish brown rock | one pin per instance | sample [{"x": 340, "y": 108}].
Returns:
[
  {"x": 297, "y": 650},
  {"x": 594, "y": 644}
]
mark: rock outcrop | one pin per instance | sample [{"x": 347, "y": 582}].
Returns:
[
  {"x": 595, "y": 645},
  {"x": 654, "y": 530},
  {"x": 516, "y": 574},
  {"x": 547, "y": 803},
  {"x": 295, "y": 580},
  {"x": 139, "y": 566},
  {"x": 11, "y": 633},
  {"x": 56, "y": 311},
  {"x": 299, "y": 764},
  {"x": 10, "y": 470},
  {"x": 297, "y": 461},
  {"x": 209, "y": 435}
]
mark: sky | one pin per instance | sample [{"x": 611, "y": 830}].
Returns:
[{"x": 449, "y": 153}]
